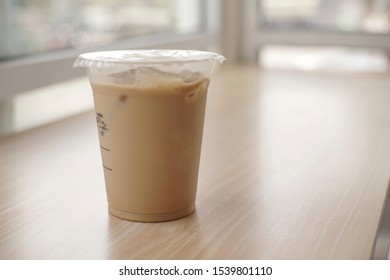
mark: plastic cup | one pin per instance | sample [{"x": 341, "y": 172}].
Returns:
[{"x": 150, "y": 107}]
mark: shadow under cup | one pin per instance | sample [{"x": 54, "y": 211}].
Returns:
[{"x": 150, "y": 108}]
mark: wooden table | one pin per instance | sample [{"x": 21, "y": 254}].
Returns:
[{"x": 294, "y": 166}]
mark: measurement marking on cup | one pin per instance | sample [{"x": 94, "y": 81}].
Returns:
[
  {"x": 104, "y": 127},
  {"x": 107, "y": 167},
  {"x": 105, "y": 148}
]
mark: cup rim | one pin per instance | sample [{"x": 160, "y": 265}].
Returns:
[{"x": 142, "y": 57}]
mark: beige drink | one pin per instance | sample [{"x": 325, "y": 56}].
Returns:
[
  {"x": 150, "y": 141},
  {"x": 150, "y": 107}
]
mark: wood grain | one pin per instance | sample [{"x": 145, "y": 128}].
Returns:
[{"x": 294, "y": 166}]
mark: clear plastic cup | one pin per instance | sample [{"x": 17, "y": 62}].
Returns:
[{"x": 150, "y": 107}]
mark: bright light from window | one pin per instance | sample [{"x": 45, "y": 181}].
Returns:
[{"x": 331, "y": 59}]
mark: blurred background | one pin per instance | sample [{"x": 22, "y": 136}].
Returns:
[{"x": 41, "y": 38}]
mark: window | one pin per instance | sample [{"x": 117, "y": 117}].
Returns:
[
  {"x": 325, "y": 35},
  {"x": 49, "y": 34},
  {"x": 42, "y": 38},
  {"x": 36, "y": 26},
  {"x": 363, "y": 24},
  {"x": 364, "y": 16}
]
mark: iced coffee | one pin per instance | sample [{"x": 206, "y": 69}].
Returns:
[{"x": 150, "y": 125}]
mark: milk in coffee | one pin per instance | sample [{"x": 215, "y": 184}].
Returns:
[{"x": 150, "y": 141}]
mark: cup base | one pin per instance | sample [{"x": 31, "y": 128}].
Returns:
[{"x": 152, "y": 217}]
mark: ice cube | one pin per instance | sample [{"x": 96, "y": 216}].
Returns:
[
  {"x": 126, "y": 77},
  {"x": 190, "y": 77},
  {"x": 149, "y": 76}
]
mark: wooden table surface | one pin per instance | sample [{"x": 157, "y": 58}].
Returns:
[{"x": 294, "y": 166}]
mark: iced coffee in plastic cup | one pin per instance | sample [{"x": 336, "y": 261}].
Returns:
[{"x": 150, "y": 107}]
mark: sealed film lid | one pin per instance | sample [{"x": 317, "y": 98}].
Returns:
[{"x": 122, "y": 58}]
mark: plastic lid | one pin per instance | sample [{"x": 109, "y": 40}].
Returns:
[{"x": 142, "y": 57}]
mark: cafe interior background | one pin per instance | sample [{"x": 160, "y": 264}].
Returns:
[{"x": 40, "y": 39}]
